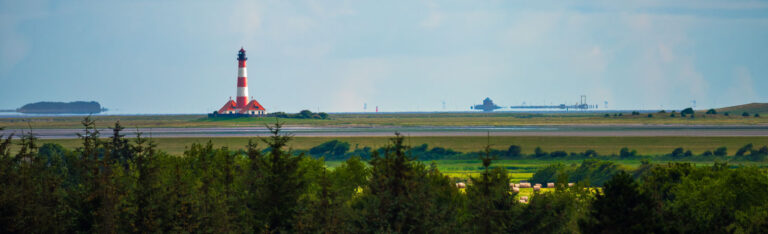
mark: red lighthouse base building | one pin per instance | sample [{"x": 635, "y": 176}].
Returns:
[{"x": 241, "y": 107}]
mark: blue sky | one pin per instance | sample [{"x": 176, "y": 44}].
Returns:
[{"x": 334, "y": 56}]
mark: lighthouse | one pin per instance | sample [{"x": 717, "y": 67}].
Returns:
[
  {"x": 241, "y": 106},
  {"x": 242, "y": 79}
]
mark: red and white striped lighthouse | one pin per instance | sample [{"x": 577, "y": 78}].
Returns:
[
  {"x": 242, "y": 79},
  {"x": 242, "y": 106}
]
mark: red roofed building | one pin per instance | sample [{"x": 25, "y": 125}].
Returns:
[{"x": 241, "y": 106}]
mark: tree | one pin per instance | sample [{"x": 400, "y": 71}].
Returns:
[
  {"x": 514, "y": 151},
  {"x": 711, "y": 112},
  {"x": 283, "y": 182},
  {"x": 538, "y": 152},
  {"x": 721, "y": 151},
  {"x": 590, "y": 153},
  {"x": 627, "y": 153},
  {"x": 399, "y": 196},
  {"x": 744, "y": 149},
  {"x": 621, "y": 208},
  {"x": 678, "y": 152},
  {"x": 323, "y": 115},
  {"x": 718, "y": 199},
  {"x": 491, "y": 204},
  {"x": 558, "y": 211},
  {"x": 145, "y": 195},
  {"x": 305, "y": 114},
  {"x": 687, "y": 111},
  {"x": 745, "y": 114}
]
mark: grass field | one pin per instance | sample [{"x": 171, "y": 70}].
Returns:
[
  {"x": 463, "y": 169},
  {"x": 386, "y": 119},
  {"x": 603, "y": 145}
]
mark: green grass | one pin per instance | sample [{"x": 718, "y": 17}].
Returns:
[
  {"x": 398, "y": 119},
  {"x": 603, "y": 145}
]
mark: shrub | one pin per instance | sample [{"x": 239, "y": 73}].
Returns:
[
  {"x": 590, "y": 153},
  {"x": 635, "y": 113},
  {"x": 727, "y": 114},
  {"x": 514, "y": 151},
  {"x": 721, "y": 152},
  {"x": 538, "y": 152},
  {"x": 558, "y": 154},
  {"x": 707, "y": 153},
  {"x": 745, "y": 114},
  {"x": 678, "y": 152},
  {"x": 757, "y": 115},
  {"x": 333, "y": 149},
  {"x": 626, "y": 153},
  {"x": 687, "y": 111},
  {"x": 711, "y": 112},
  {"x": 744, "y": 149},
  {"x": 650, "y": 115}
]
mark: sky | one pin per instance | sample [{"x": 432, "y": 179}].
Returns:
[{"x": 147, "y": 57}]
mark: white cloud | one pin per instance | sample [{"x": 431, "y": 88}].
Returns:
[
  {"x": 434, "y": 16},
  {"x": 742, "y": 88}
]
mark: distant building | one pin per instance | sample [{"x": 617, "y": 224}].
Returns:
[
  {"x": 241, "y": 106},
  {"x": 486, "y": 106}
]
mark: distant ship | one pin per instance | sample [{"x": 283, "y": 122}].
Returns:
[
  {"x": 486, "y": 106},
  {"x": 78, "y": 107}
]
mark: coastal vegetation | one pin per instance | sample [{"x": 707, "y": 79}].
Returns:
[{"x": 114, "y": 184}]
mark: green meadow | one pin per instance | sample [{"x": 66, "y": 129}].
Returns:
[
  {"x": 390, "y": 119},
  {"x": 603, "y": 145},
  {"x": 462, "y": 169}
]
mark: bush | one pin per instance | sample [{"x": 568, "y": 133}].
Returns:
[
  {"x": 721, "y": 152},
  {"x": 745, "y": 114},
  {"x": 744, "y": 149},
  {"x": 331, "y": 150},
  {"x": 678, "y": 153},
  {"x": 558, "y": 154},
  {"x": 626, "y": 153},
  {"x": 514, "y": 151},
  {"x": 635, "y": 113},
  {"x": 757, "y": 115},
  {"x": 687, "y": 111},
  {"x": 650, "y": 115},
  {"x": 538, "y": 152},
  {"x": 304, "y": 114},
  {"x": 727, "y": 114},
  {"x": 711, "y": 112}
]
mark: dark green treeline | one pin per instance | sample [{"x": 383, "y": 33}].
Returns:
[{"x": 116, "y": 185}]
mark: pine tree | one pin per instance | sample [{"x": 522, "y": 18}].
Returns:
[
  {"x": 282, "y": 183},
  {"x": 145, "y": 200},
  {"x": 491, "y": 204},
  {"x": 622, "y": 208}
]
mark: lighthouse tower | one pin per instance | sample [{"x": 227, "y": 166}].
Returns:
[
  {"x": 242, "y": 79},
  {"x": 242, "y": 106}
]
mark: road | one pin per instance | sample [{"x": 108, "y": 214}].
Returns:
[{"x": 619, "y": 131}]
